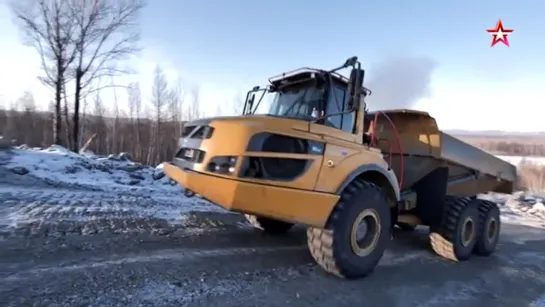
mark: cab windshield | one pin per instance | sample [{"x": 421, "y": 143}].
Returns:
[
  {"x": 307, "y": 103},
  {"x": 298, "y": 101}
]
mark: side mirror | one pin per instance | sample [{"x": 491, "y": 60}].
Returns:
[{"x": 355, "y": 84}]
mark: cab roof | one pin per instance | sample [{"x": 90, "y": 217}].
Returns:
[
  {"x": 306, "y": 73},
  {"x": 404, "y": 111},
  {"x": 303, "y": 73}
]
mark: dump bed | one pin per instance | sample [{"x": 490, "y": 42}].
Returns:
[
  {"x": 425, "y": 148},
  {"x": 459, "y": 152}
]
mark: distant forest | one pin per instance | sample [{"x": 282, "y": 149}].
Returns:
[{"x": 508, "y": 145}]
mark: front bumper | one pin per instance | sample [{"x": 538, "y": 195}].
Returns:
[{"x": 290, "y": 205}]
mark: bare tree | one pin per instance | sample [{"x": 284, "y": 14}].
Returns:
[
  {"x": 66, "y": 114},
  {"x": 84, "y": 120},
  {"x": 238, "y": 103},
  {"x": 107, "y": 33},
  {"x": 175, "y": 124},
  {"x": 49, "y": 28},
  {"x": 194, "y": 110},
  {"x": 116, "y": 125},
  {"x": 135, "y": 107},
  {"x": 28, "y": 105},
  {"x": 159, "y": 99},
  {"x": 175, "y": 102},
  {"x": 219, "y": 110},
  {"x": 99, "y": 125}
]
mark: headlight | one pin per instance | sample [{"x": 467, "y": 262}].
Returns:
[{"x": 224, "y": 165}]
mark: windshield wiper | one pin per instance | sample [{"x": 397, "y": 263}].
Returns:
[{"x": 298, "y": 100}]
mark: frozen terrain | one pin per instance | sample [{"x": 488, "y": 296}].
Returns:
[
  {"x": 49, "y": 187},
  {"x": 82, "y": 230},
  {"x": 78, "y": 188},
  {"x": 516, "y": 160}
]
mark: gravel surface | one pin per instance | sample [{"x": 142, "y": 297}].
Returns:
[{"x": 117, "y": 250}]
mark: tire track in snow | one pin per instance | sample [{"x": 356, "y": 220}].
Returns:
[
  {"x": 57, "y": 212},
  {"x": 181, "y": 256},
  {"x": 185, "y": 256},
  {"x": 463, "y": 289}
]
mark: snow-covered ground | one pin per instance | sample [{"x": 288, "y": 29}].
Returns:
[
  {"x": 54, "y": 185},
  {"x": 516, "y": 160},
  {"x": 57, "y": 184},
  {"x": 520, "y": 208},
  {"x": 58, "y": 165}
]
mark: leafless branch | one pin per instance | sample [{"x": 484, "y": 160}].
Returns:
[{"x": 48, "y": 27}]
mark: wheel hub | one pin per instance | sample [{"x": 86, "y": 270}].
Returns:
[
  {"x": 365, "y": 232},
  {"x": 468, "y": 231},
  {"x": 491, "y": 229}
]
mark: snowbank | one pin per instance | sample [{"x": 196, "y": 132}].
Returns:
[
  {"x": 41, "y": 189},
  {"x": 59, "y": 166},
  {"x": 520, "y": 208},
  {"x": 516, "y": 160}
]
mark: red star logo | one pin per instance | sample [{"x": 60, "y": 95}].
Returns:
[{"x": 499, "y": 34}]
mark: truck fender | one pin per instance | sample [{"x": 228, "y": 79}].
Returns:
[{"x": 376, "y": 170}]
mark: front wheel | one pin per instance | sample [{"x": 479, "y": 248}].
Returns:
[{"x": 357, "y": 233}]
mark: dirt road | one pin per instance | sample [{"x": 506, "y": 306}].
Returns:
[{"x": 213, "y": 261}]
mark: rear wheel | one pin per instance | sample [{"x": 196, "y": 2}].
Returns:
[
  {"x": 357, "y": 232},
  {"x": 268, "y": 225},
  {"x": 456, "y": 235},
  {"x": 489, "y": 228}
]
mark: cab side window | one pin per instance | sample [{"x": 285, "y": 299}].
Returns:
[{"x": 338, "y": 103}]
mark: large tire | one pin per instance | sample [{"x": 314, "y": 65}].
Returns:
[
  {"x": 336, "y": 249},
  {"x": 456, "y": 235},
  {"x": 268, "y": 225},
  {"x": 489, "y": 228}
]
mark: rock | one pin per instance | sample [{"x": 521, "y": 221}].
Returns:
[
  {"x": 133, "y": 182},
  {"x": 19, "y": 170},
  {"x": 158, "y": 175},
  {"x": 103, "y": 168},
  {"x": 113, "y": 158},
  {"x": 52, "y": 182},
  {"x": 132, "y": 167},
  {"x": 71, "y": 169},
  {"x": 86, "y": 165},
  {"x": 137, "y": 176},
  {"x": 4, "y": 144},
  {"x": 125, "y": 156}
]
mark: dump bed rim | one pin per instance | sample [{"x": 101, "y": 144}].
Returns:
[{"x": 475, "y": 158}]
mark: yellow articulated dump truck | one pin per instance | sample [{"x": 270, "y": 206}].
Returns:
[{"x": 318, "y": 158}]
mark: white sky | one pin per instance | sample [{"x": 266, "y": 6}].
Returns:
[{"x": 463, "y": 103}]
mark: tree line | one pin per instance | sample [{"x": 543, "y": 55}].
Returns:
[
  {"x": 510, "y": 147},
  {"x": 147, "y": 130}
]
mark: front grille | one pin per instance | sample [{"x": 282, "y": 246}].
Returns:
[
  {"x": 269, "y": 168},
  {"x": 197, "y": 132},
  {"x": 191, "y": 155}
]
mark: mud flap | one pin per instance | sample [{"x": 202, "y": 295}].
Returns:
[{"x": 431, "y": 191}]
